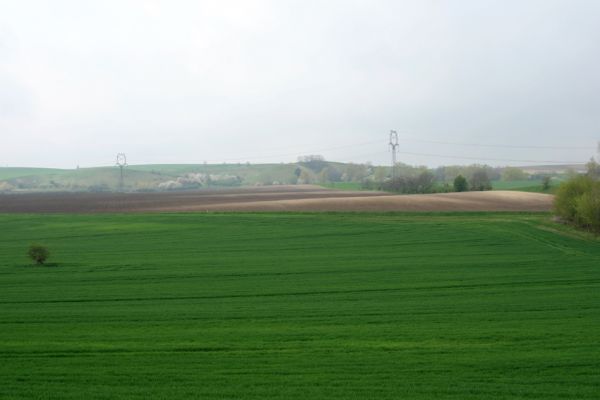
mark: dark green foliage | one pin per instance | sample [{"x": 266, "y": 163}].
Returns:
[
  {"x": 300, "y": 306},
  {"x": 480, "y": 180},
  {"x": 578, "y": 201},
  {"x": 38, "y": 253},
  {"x": 546, "y": 181},
  {"x": 460, "y": 184},
  {"x": 424, "y": 182}
]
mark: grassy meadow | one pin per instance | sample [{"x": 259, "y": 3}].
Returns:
[{"x": 307, "y": 306}]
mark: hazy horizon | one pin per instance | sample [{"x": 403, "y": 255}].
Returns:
[{"x": 496, "y": 82}]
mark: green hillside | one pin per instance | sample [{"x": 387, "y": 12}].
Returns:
[
  {"x": 10, "y": 173},
  {"x": 154, "y": 177},
  {"x": 147, "y": 177}
]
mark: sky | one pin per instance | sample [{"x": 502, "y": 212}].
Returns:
[{"x": 510, "y": 82}]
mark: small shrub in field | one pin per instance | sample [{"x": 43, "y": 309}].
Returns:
[
  {"x": 38, "y": 253},
  {"x": 578, "y": 201}
]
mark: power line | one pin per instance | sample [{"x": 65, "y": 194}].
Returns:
[
  {"x": 412, "y": 139},
  {"x": 505, "y": 146},
  {"x": 296, "y": 153},
  {"x": 493, "y": 159}
]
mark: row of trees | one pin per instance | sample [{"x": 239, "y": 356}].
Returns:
[
  {"x": 408, "y": 179},
  {"x": 479, "y": 181}
]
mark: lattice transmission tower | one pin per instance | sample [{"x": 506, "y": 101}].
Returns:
[
  {"x": 121, "y": 163},
  {"x": 394, "y": 148}
]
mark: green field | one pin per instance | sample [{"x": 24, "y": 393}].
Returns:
[
  {"x": 306, "y": 306},
  {"x": 528, "y": 185},
  {"x": 9, "y": 173}
]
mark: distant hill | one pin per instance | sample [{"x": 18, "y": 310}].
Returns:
[
  {"x": 169, "y": 176},
  {"x": 166, "y": 177}
]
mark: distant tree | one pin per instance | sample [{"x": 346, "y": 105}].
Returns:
[
  {"x": 356, "y": 172},
  {"x": 314, "y": 162},
  {"x": 304, "y": 178},
  {"x": 324, "y": 175},
  {"x": 380, "y": 174},
  {"x": 460, "y": 184},
  {"x": 330, "y": 174},
  {"x": 480, "y": 180},
  {"x": 546, "y": 181},
  {"x": 297, "y": 172},
  {"x": 425, "y": 182},
  {"x": 513, "y": 174},
  {"x": 38, "y": 253}
]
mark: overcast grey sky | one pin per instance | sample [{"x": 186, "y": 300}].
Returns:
[{"x": 266, "y": 81}]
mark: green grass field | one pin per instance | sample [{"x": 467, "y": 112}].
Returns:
[
  {"x": 527, "y": 185},
  {"x": 307, "y": 306}
]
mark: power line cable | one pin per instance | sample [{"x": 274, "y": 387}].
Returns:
[
  {"x": 297, "y": 153},
  {"x": 506, "y": 146},
  {"x": 493, "y": 159}
]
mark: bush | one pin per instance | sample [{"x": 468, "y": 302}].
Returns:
[
  {"x": 460, "y": 184},
  {"x": 578, "y": 201},
  {"x": 587, "y": 209},
  {"x": 38, "y": 253}
]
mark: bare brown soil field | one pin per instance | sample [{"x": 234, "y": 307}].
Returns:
[{"x": 273, "y": 198}]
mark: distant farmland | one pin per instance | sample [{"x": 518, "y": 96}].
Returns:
[
  {"x": 272, "y": 198},
  {"x": 175, "y": 177},
  {"x": 306, "y": 306}
]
